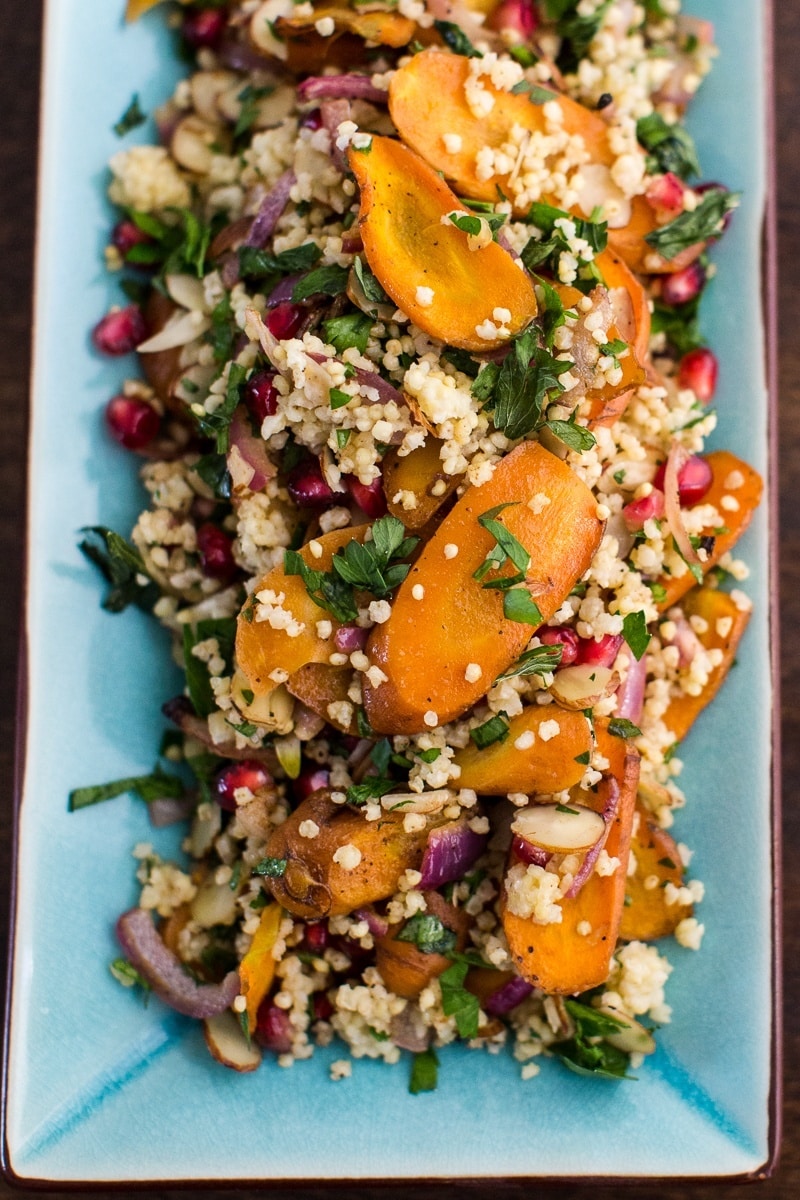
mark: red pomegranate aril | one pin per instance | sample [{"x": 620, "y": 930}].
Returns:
[
  {"x": 698, "y": 370},
  {"x": 316, "y": 937},
  {"x": 273, "y": 1028},
  {"x": 204, "y": 27},
  {"x": 244, "y": 774},
  {"x": 216, "y": 552},
  {"x": 323, "y": 1009},
  {"x": 131, "y": 421},
  {"x": 308, "y": 487},
  {"x": 683, "y": 286},
  {"x": 261, "y": 395},
  {"x": 567, "y": 639},
  {"x": 694, "y": 480},
  {"x": 120, "y": 331},
  {"x": 312, "y": 120},
  {"x": 126, "y": 235},
  {"x": 528, "y": 853},
  {"x": 369, "y": 497},
  {"x": 665, "y": 195},
  {"x": 310, "y": 780},
  {"x": 647, "y": 508},
  {"x": 602, "y": 653},
  {"x": 518, "y": 15},
  {"x": 284, "y": 320}
]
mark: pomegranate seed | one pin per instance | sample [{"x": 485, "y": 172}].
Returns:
[
  {"x": 312, "y": 120},
  {"x": 602, "y": 653},
  {"x": 216, "y": 552},
  {"x": 316, "y": 936},
  {"x": 308, "y": 487},
  {"x": 132, "y": 422},
  {"x": 244, "y": 774},
  {"x": 126, "y": 235},
  {"x": 683, "y": 285},
  {"x": 665, "y": 195},
  {"x": 567, "y": 639},
  {"x": 284, "y": 320},
  {"x": 323, "y": 1009},
  {"x": 204, "y": 27},
  {"x": 694, "y": 480},
  {"x": 520, "y": 16},
  {"x": 261, "y": 395},
  {"x": 528, "y": 853},
  {"x": 648, "y": 508},
  {"x": 120, "y": 331},
  {"x": 310, "y": 780},
  {"x": 349, "y": 638},
  {"x": 698, "y": 370},
  {"x": 368, "y": 497},
  {"x": 273, "y": 1028}
]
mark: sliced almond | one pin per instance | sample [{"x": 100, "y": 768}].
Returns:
[
  {"x": 633, "y": 1038},
  {"x": 583, "y": 686},
  {"x": 228, "y": 1045},
  {"x": 559, "y": 828}
]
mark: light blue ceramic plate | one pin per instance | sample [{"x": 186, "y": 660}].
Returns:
[{"x": 99, "y": 1088}]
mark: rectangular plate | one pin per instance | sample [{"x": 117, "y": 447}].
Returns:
[{"x": 97, "y": 1087}]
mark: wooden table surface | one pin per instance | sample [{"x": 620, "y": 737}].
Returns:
[{"x": 20, "y": 26}]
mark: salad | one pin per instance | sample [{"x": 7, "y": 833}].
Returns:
[{"x": 430, "y": 527}]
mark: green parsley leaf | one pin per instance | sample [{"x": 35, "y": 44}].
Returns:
[
  {"x": 544, "y": 217},
  {"x": 369, "y": 284},
  {"x": 679, "y": 323},
  {"x": 325, "y": 589},
  {"x": 197, "y": 677},
  {"x": 270, "y": 868},
  {"x": 456, "y": 40},
  {"x": 458, "y": 1002},
  {"x": 338, "y": 398},
  {"x": 622, "y": 728},
  {"x": 465, "y": 222},
  {"x": 428, "y": 756},
  {"x": 634, "y": 630},
  {"x": 541, "y": 660},
  {"x": 217, "y": 424},
  {"x": 245, "y": 728},
  {"x": 213, "y": 470},
  {"x": 132, "y": 118},
  {"x": 520, "y": 386},
  {"x": 577, "y": 437},
  {"x": 122, "y": 566},
  {"x": 424, "y": 1073},
  {"x": 249, "y": 98},
  {"x": 353, "y": 329},
  {"x": 342, "y": 438},
  {"x": 372, "y": 788},
  {"x": 325, "y": 281},
  {"x": 536, "y": 95},
  {"x": 584, "y": 759},
  {"x": 147, "y": 787},
  {"x": 365, "y": 730},
  {"x": 496, "y": 729},
  {"x": 523, "y": 55},
  {"x": 125, "y": 973},
  {"x": 692, "y": 227},
  {"x": 461, "y": 360},
  {"x": 373, "y": 566},
  {"x": 585, "y": 1053},
  {"x": 670, "y": 147},
  {"x": 659, "y": 592},
  {"x": 518, "y": 606},
  {"x": 428, "y": 933},
  {"x": 380, "y": 755}
]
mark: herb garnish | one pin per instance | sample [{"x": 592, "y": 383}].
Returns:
[
  {"x": 424, "y": 1073},
  {"x": 372, "y": 788},
  {"x": 270, "y": 868},
  {"x": 689, "y": 228},
  {"x": 197, "y": 676},
  {"x": 623, "y": 728},
  {"x": 456, "y": 40},
  {"x": 496, "y": 729},
  {"x": 353, "y": 329},
  {"x": 634, "y": 630},
  {"x": 584, "y": 1053},
  {"x": 125, "y": 973},
  {"x": 458, "y": 1002},
  {"x": 428, "y": 933},
  {"x": 325, "y": 281},
  {"x": 132, "y": 118},
  {"x": 517, "y": 391},
  {"x": 122, "y": 565},
  {"x": 178, "y": 248},
  {"x": 541, "y": 660},
  {"x": 249, "y": 98},
  {"x": 147, "y": 787},
  {"x": 670, "y": 147},
  {"x": 217, "y": 424},
  {"x": 517, "y": 602}
]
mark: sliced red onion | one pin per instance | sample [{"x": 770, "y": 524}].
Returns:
[
  {"x": 507, "y": 997},
  {"x": 349, "y": 638},
  {"x": 686, "y": 640},
  {"x": 168, "y": 810},
  {"x": 528, "y": 853},
  {"x": 610, "y": 794},
  {"x": 352, "y": 242},
  {"x": 502, "y": 240},
  {"x": 630, "y": 694},
  {"x": 249, "y": 452},
  {"x": 229, "y": 269},
  {"x": 282, "y": 292},
  {"x": 166, "y": 975},
  {"x": 271, "y": 210},
  {"x": 677, "y": 458},
  {"x": 340, "y": 87},
  {"x": 386, "y": 391},
  {"x": 333, "y": 112},
  {"x": 378, "y": 926},
  {"x": 451, "y": 850},
  {"x": 179, "y": 710}
]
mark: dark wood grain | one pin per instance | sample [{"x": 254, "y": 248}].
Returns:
[{"x": 20, "y": 24}]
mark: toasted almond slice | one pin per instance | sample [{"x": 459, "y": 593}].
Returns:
[
  {"x": 582, "y": 686},
  {"x": 227, "y": 1043},
  {"x": 559, "y": 828}
]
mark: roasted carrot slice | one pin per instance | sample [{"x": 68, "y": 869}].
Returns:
[
  {"x": 318, "y": 686},
  {"x": 257, "y": 968},
  {"x": 424, "y": 262},
  {"x": 545, "y": 766},
  {"x": 444, "y": 620},
  {"x": 404, "y": 968},
  {"x": 319, "y": 881},
  {"x": 646, "y": 914},
  {"x": 427, "y": 99},
  {"x": 725, "y": 467},
  {"x": 383, "y": 28},
  {"x": 137, "y": 8},
  {"x": 622, "y": 283},
  {"x": 418, "y": 474},
  {"x": 262, "y": 649},
  {"x": 556, "y": 957},
  {"x": 726, "y": 625}
]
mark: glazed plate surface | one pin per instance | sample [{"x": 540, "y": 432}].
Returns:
[{"x": 100, "y": 1088}]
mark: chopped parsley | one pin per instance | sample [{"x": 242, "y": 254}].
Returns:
[
  {"x": 132, "y": 118},
  {"x": 689, "y": 228},
  {"x": 216, "y": 424},
  {"x": 456, "y": 40},
  {"x": 424, "y": 1073},
  {"x": 428, "y": 933},
  {"x": 517, "y": 602},
  {"x": 372, "y": 788},
  {"x": 536, "y": 95},
  {"x": 324, "y": 281},
  {"x": 198, "y": 682},
  {"x": 213, "y": 470},
  {"x": 496, "y": 729},
  {"x": 586, "y": 1052},
  {"x": 353, "y": 329},
  {"x": 634, "y": 630},
  {"x": 541, "y": 660},
  {"x": 122, "y": 566},
  {"x": 270, "y": 868},
  {"x": 369, "y": 284},
  {"x": 178, "y": 248},
  {"x": 670, "y": 147},
  {"x": 148, "y": 788},
  {"x": 249, "y": 98},
  {"x": 458, "y": 1002},
  {"x": 517, "y": 391},
  {"x": 125, "y": 973},
  {"x": 623, "y": 728}
]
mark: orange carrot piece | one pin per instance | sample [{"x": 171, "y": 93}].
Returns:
[
  {"x": 318, "y": 685},
  {"x": 404, "y": 968},
  {"x": 260, "y": 649},
  {"x": 556, "y": 957},
  {"x": 646, "y": 914},
  {"x": 418, "y": 472},
  {"x": 257, "y": 968},
  {"x": 550, "y": 766},
  {"x": 403, "y": 202},
  {"x": 443, "y": 619},
  {"x": 723, "y": 464},
  {"x": 714, "y": 606}
]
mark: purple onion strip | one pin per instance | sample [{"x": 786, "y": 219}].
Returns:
[
  {"x": 378, "y": 926},
  {"x": 333, "y": 112},
  {"x": 630, "y": 695},
  {"x": 166, "y": 975},
  {"x": 611, "y": 788},
  {"x": 341, "y": 87},
  {"x": 507, "y": 997},
  {"x": 271, "y": 209},
  {"x": 451, "y": 850}
]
